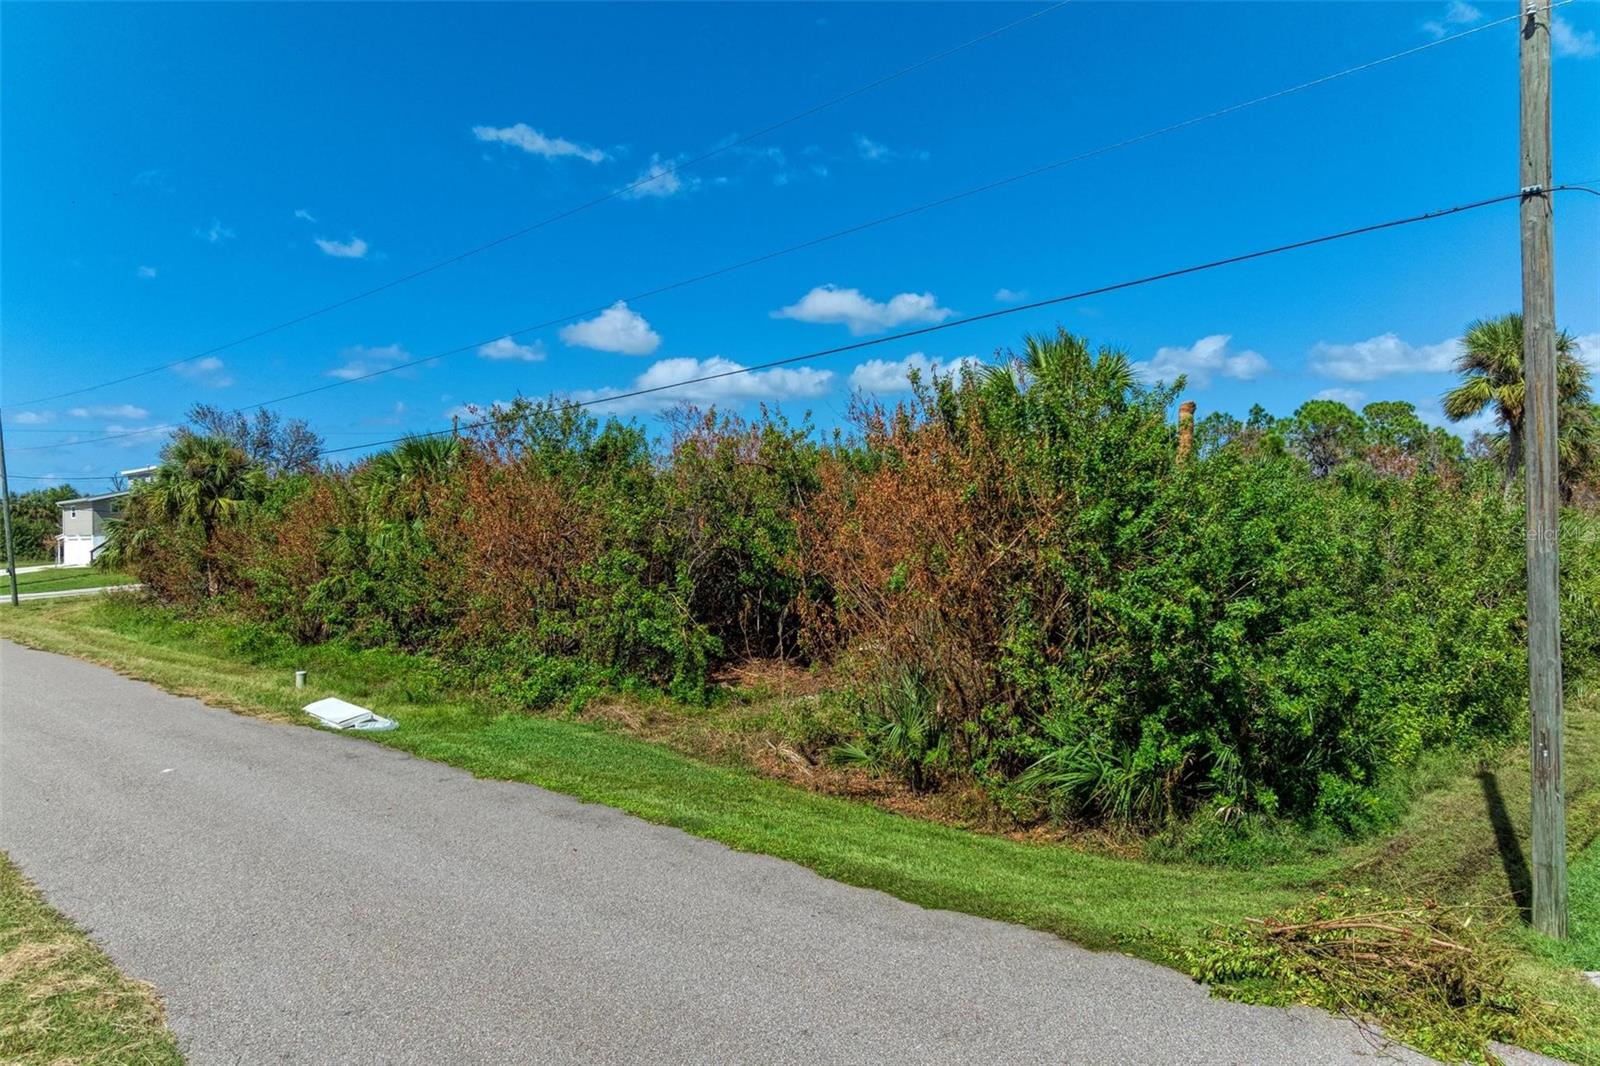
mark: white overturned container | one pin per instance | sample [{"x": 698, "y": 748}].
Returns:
[{"x": 337, "y": 714}]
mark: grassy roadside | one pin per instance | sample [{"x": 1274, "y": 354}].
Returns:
[
  {"x": 1096, "y": 900},
  {"x": 1144, "y": 908},
  {"x": 1582, "y": 948},
  {"x": 61, "y": 999},
  {"x": 60, "y": 579}
]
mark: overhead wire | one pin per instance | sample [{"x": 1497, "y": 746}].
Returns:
[
  {"x": 849, "y": 230},
  {"x": 1147, "y": 279},
  {"x": 968, "y": 320},
  {"x": 655, "y": 174}
]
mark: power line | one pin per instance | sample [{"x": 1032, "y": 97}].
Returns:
[
  {"x": 142, "y": 429},
  {"x": 1147, "y": 279},
  {"x": 849, "y": 230},
  {"x": 651, "y": 176},
  {"x": 141, "y": 432},
  {"x": 80, "y": 429},
  {"x": 1003, "y": 312},
  {"x": 63, "y": 480}
]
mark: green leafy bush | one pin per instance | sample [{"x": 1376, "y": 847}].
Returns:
[
  {"x": 1113, "y": 634},
  {"x": 901, "y": 732},
  {"x": 36, "y": 521},
  {"x": 1019, "y": 582}
]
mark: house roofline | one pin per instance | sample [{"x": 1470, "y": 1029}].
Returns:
[{"x": 90, "y": 499}]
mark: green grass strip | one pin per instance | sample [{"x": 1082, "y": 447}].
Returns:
[
  {"x": 62, "y": 1000},
  {"x": 60, "y": 579}
]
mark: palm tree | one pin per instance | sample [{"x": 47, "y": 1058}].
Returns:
[
  {"x": 1491, "y": 359},
  {"x": 413, "y": 459},
  {"x": 202, "y": 482},
  {"x": 402, "y": 474},
  {"x": 1078, "y": 375}
]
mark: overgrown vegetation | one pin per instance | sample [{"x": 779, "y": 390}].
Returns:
[
  {"x": 1021, "y": 601},
  {"x": 61, "y": 999},
  {"x": 1020, "y": 586}
]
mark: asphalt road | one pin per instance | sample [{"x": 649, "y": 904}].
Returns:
[{"x": 304, "y": 897}]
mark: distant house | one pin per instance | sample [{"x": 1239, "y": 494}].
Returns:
[{"x": 86, "y": 520}]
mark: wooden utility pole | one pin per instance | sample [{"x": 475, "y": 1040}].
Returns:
[
  {"x": 1543, "y": 478},
  {"x": 5, "y": 515}
]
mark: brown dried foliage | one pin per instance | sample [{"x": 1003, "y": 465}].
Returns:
[
  {"x": 521, "y": 543},
  {"x": 915, "y": 547}
]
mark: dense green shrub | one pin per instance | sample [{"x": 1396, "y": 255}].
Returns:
[
  {"x": 1016, "y": 578},
  {"x": 1113, "y": 633},
  {"x": 36, "y": 521}
]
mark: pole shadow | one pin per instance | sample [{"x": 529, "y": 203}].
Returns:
[{"x": 1512, "y": 859}]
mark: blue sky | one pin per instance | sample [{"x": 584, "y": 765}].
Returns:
[{"x": 178, "y": 176}]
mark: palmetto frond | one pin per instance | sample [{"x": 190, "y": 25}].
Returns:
[
  {"x": 201, "y": 481},
  {"x": 412, "y": 459},
  {"x": 1491, "y": 360},
  {"x": 1469, "y": 398}
]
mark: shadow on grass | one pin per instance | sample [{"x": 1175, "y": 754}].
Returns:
[{"x": 1512, "y": 859}]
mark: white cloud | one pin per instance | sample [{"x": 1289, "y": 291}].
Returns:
[
  {"x": 215, "y": 233},
  {"x": 1457, "y": 13},
  {"x": 117, "y": 410},
  {"x": 468, "y": 412},
  {"x": 872, "y": 150},
  {"x": 833, "y": 305},
  {"x": 616, "y": 329},
  {"x": 533, "y": 142},
  {"x": 354, "y": 248},
  {"x": 304, "y": 215},
  {"x": 1010, "y": 296},
  {"x": 659, "y": 180},
  {"x": 894, "y": 375},
  {"x": 878, "y": 152},
  {"x": 155, "y": 178},
  {"x": 395, "y": 417},
  {"x": 1588, "y": 349},
  {"x": 1206, "y": 358},
  {"x": 773, "y": 160},
  {"x": 146, "y": 272},
  {"x": 1380, "y": 356},
  {"x": 1566, "y": 41},
  {"x": 207, "y": 371},
  {"x": 506, "y": 348},
  {"x": 33, "y": 418},
  {"x": 1484, "y": 422},
  {"x": 360, "y": 360},
  {"x": 733, "y": 387},
  {"x": 136, "y": 436},
  {"x": 1348, "y": 397}
]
